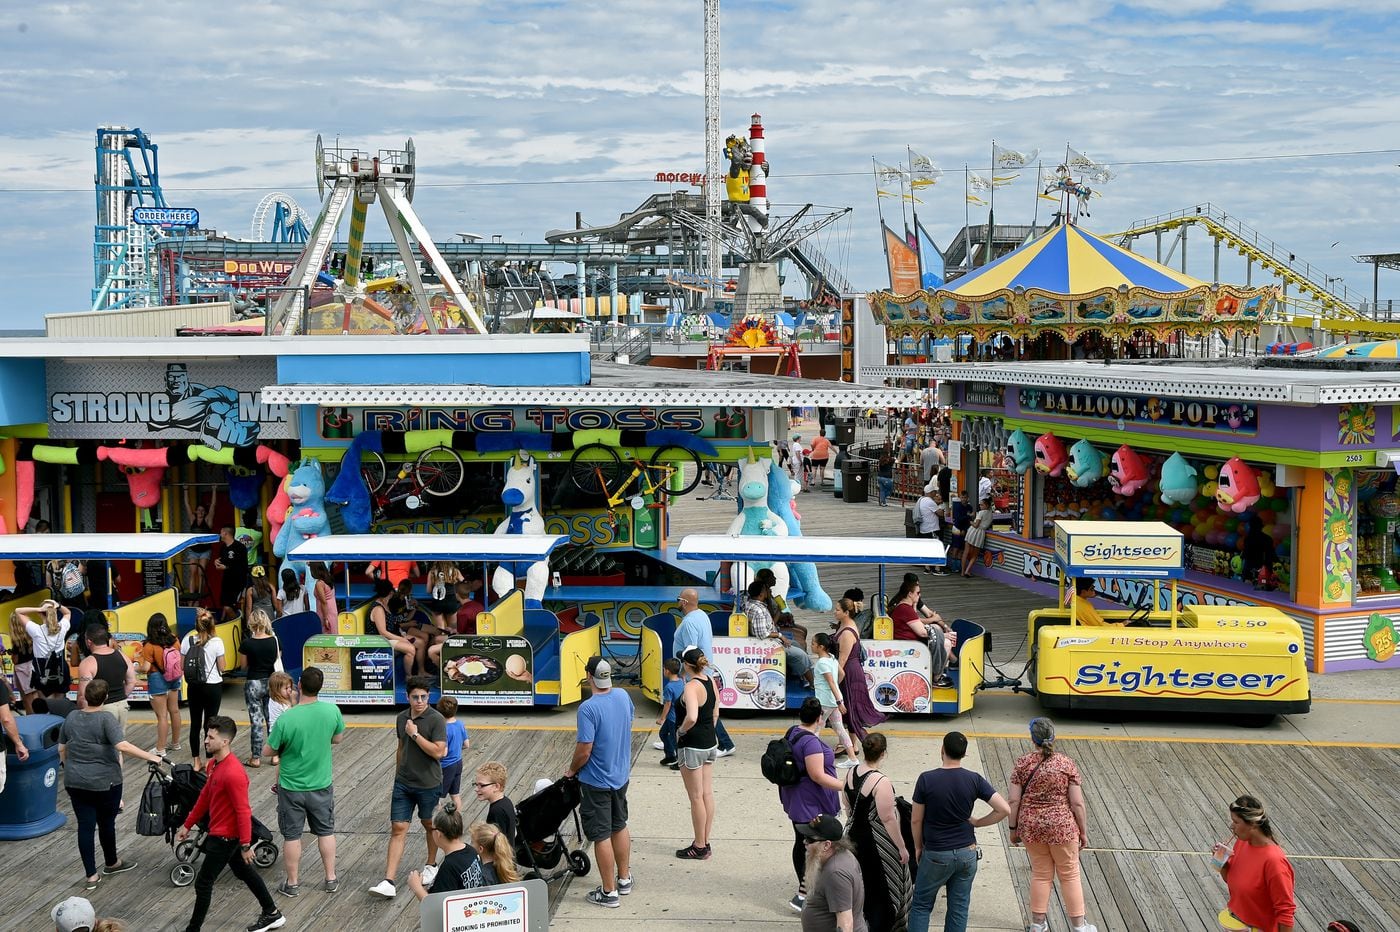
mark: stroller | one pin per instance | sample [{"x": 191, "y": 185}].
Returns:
[
  {"x": 174, "y": 800},
  {"x": 539, "y": 846}
]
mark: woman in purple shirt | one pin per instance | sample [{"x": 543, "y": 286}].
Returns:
[{"x": 815, "y": 793}]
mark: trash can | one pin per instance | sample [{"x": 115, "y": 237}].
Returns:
[
  {"x": 29, "y": 804},
  {"x": 846, "y": 432},
  {"x": 855, "y": 481}
]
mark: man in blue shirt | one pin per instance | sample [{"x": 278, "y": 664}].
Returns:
[
  {"x": 945, "y": 843},
  {"x": 603, "y": 764},
  {"x": 695, "y": 631}
]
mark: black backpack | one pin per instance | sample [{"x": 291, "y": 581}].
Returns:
[
  {"x": 150, "y": 819},
  {"x": 194, "y": 663},
  {"x": 51, "y": 673},
  {"x": 779, "y": 764}
]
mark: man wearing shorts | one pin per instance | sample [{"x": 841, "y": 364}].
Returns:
[
  {"x": 303, "y": 737},
  {"x": 422, "y": 733},
  {"x": 603, "y": 763}
]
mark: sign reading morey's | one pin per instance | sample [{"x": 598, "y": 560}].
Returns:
[{"x": 216, "y": 403}]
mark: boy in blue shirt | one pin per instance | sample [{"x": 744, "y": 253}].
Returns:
[
  {"x": 457, "y": 742},
  {"x": 670, "y": 695}
]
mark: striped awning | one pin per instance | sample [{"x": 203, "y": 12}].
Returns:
[{"x": 1070, "y": 261}]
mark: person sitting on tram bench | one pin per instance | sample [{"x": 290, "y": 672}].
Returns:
[{"x": 1085, "y": 612}]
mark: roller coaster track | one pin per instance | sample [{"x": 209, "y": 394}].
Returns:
[{"x": 1323, "y": 296}]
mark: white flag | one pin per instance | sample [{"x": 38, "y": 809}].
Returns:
[
  {"x": 922, "y": 170},
  {"x": 1096, "y": 172},
  {"x": 886, "y": 175},
  {"x": 976, "y": 182},
  {"x": 1010, "y": 158}
]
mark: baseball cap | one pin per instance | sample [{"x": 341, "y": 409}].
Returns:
[
  {"x": 600, "y": 674},
  {"x": 693, "y": 655},
  {"x": 822, "y": 828},
  {"x": 73, "y": 914}
]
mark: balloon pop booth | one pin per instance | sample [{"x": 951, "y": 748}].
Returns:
[
  {"x": 751, "y": 672},
  {"x": 518, "y": 655}
]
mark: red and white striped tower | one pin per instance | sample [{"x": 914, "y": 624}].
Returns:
[{"x": 758, "y": 176}]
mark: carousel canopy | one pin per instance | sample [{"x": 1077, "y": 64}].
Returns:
[
  {"x": 1069, "y": 260},
  {"x": 1381, "y": 349}
]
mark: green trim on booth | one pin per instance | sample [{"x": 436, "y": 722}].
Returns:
[{"x": 27, "y": 431}]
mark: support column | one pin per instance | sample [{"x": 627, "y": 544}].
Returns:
[
  {"x": 582, "y": 288},
  {"x": 612, "y": 287}
]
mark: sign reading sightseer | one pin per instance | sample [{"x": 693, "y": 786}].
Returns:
[{"x": 218, "y": 404}]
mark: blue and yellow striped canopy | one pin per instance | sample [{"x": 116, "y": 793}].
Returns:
[{"x": 1069, "y": 261}]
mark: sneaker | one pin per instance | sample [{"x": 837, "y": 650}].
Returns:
[
  {"x": 429, "y": 874},
  {"x": 668, "y": 761},
  {"x": 848, "y": 763},
  {"x": 272, "y": 920},
  {"x": 694, "y": 853},
  {"x": 1039, "y": 927},
  {"x": 289, "y": 889},
  {"x": 1086, "y": 927},
  {"x": 624, "y": 886},
  {"x": 798, "y": 902},
  {"x": 599, "y": 897},
  {"x": 122, "y": 867},
  {"x": 727, "y": 752},
  {"x": 172, "y": 747},
  {"x": 331, "y": 885},
  {"x": 943, "y": 682},
  {"x": 675, "y": 766},
  {"x": 384, "y": 888},
  {"x": 659, "y": 745}
]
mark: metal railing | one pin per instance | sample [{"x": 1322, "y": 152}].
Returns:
[{"x": 1237, "y": 229}]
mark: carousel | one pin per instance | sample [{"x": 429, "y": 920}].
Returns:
[{"x": 1069, "y": 290}]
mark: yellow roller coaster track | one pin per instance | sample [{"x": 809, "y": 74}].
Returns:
[{"x": 1314, "y": 299}]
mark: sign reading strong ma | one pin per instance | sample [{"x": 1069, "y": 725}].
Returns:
[{"x": 216, "y": 403}]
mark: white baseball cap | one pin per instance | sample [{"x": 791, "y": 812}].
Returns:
[
  {"x": 601, "y": 676},
  {"x": 73, "y": 914}
]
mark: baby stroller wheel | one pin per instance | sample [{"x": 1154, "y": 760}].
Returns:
[
  {"x": 182, "y": 875},
  {"x": 264, "y": 854},
  {"x": 185, "y": 851},
  {"x": 578, "y": 863}
]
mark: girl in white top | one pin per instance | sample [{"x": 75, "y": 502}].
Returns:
[
  {"x": 293, "y": 596},
  {"x": 50, "y": 637}
]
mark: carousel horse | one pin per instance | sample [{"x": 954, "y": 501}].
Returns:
[{"x": 521, "y": 497}]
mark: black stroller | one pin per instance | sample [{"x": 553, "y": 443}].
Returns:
[
  {"x": 170, "y": 800},
  {"x": 539, "y": 846}
]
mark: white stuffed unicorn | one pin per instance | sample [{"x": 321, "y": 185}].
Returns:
[
  {"x": 522, "y": 500},
  {"x": 756, "y": 518}
]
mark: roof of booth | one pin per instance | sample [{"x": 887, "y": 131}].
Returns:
[
  {"x": 898, "y": 550},
  {"x": 99, "y": 546},
  {"x": 469, "y": 547}
]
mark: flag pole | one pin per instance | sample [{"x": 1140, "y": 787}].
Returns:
[
  {"x": 1035, "y": 213},
  {"x": 903, "y": 198},
  {"x": 991, "y": 206},
  {"x": 879, "y": 208},
  {"x": 918, "y": 246},
  {"x": 967, "y": 220},
  {"x": 1064, "y": 195}
]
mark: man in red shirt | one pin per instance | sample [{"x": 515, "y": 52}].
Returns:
[{"x": 224, "y": 800}]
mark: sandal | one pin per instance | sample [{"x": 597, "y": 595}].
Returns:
[{"x": 254, "y": 762}]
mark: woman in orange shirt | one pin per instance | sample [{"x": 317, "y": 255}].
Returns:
[{"x": 1257, "y": 873}]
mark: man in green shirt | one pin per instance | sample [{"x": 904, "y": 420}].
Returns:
[{"x": 303, "y": 737}]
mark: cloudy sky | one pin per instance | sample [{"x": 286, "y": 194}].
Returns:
[{"x": 525, "y": 112}]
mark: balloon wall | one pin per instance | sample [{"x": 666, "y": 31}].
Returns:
[{"x": 1202, "y": 522}]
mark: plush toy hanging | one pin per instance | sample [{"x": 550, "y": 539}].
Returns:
[
  {"x": 1021, "y": 451},
  {"x": 1127, "y": 472},
  {"x": 1050, "y": 457},
  {"x": 1085, "y": 466},
  {"x": 1179, "y": 484},
  {"x": 1237, "y": 486}
]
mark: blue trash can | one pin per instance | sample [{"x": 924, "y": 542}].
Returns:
[{"x": 29, "y": 804}]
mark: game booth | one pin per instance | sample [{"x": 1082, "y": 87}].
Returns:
[
  {"x": 518, "y": 654},
  {"x": 127, "y": 621},
  {"x": 751, "y": 673},
  {"x": 1242, "y": 659}
]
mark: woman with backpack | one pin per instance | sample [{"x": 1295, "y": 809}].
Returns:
[
  {"x": 160, "y": 659},
  {"x": 49, "y": 642},
  {"x": 204, "y": 654},
  {"x": 861, "y": 713},
  {"x": 873, "y": 825},
  {"x": 815, "y": 792}
]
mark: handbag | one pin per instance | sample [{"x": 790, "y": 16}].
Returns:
[{"x": 277, "y": 664}]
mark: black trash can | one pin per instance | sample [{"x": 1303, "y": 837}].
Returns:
[
  {"x": 845, "y": 432},
  {"x": 29, "y": 803},
  {"x": 855, "y": 481}
]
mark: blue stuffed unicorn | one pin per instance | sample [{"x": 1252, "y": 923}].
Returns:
[{"x": 781, "y": 490}]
